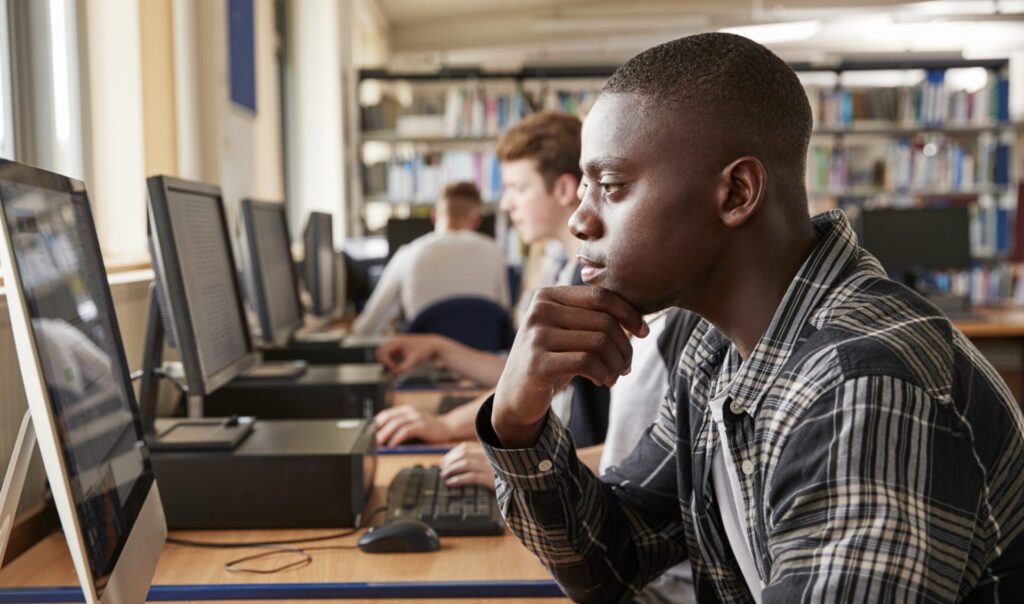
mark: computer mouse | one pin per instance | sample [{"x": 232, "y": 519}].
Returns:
[{"x": 400, "y": 536}]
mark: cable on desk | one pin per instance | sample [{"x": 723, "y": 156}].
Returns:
[
  {"x": 304, "y": 560},
  {"x": 234, "y": 544}
]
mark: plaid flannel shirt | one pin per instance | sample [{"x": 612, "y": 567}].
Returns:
[{"x": 880, "y": 459}]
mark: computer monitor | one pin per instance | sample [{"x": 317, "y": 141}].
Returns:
[
  {"x": 321, "y": 271},
  {"x": 195, "y": 269},
  {"x": 400, "y": 231},
  {"x": 78, "y": 385},
  {"x": 912, "y": 240},
  {"x": 269, "y": 267},
  {"x": 365, "y": 258}
]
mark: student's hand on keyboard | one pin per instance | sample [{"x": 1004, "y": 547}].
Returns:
[
  {"x": 568, "y": 331},
  {"x": 400, "y": 424},
  {"x": 467, "y": 464},
  {"x": 402, "y": 352}
]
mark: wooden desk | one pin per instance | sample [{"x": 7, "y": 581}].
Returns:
[
  {"x": 999, "y": 332},
  {"x": 48, "y": 563}
]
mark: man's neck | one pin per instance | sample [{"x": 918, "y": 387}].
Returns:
[{"x": 748, "y": 295}]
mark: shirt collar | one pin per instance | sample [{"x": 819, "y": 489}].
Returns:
[{"x": 820, "y": 273}]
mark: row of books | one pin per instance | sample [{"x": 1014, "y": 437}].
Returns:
[
  {"x": 470, "y": 111},
  {"x": 930, "y": 103},
  {"x": 930, "y": 163},
  {"x": 420, "y": 177}
]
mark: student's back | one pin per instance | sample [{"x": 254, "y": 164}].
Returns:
[{"x": 453, "y": 264}]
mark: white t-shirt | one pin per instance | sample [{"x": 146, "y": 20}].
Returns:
[{"x": 434, "y": 267}]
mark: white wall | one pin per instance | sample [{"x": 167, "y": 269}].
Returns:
[{"x": 317, "y": 57}]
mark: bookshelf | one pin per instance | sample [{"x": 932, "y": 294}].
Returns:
[{"x": 886, "y": 133}]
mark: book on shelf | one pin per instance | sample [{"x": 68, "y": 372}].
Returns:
[
  {"x": 930, "y": 103},
  {"x": 420, "y": 177}
]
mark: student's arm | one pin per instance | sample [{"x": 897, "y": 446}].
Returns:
[
  {"x": 400, "y": 424},
  {"x": 404, "y": 351},
  {"x": 881, "y": 489},
  {"x": 602, "y": 541},
  {"x": 385, "y": 303}
]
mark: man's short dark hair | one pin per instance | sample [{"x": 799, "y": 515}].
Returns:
[
  {"x": 735, "y": 85},
  {"x": 462, "y": 198}
]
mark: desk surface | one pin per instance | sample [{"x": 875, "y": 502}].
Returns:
[
  {"x": 460, "y": 559},
  {"x": 993, "y": 323}
]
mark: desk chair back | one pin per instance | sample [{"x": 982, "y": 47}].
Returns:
[{"x": 476, "y": 322}]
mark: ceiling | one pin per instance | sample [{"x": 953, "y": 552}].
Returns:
[{"x": 490, "y": 33}]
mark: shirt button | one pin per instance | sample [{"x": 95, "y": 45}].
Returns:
[
  {"x": 545, "y": 465},
  {"x": 736, "y": 408},
  {"x": 748, "y": 467}
]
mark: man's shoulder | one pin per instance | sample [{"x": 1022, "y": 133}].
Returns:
[{"x": 873, "y": 326}]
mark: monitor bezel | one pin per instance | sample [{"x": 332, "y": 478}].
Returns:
[
  {"x": 139, "y": 548},
  {"x": 249, "y": 208},
  {"x": 309, "y": 238},
  {"x": 168, "y": 269}
]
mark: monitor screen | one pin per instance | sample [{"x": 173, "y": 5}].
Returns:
[
  {"x": 401, "y": 231},
  {"x": 270, "y": 261},
  {"x": 320, "y": 263},
  {"x": 365, "y": 258},
  {"x": 918, "y": 238},
  {"x": 81, "y": 359},
  {"x": 195, "y": 265}
]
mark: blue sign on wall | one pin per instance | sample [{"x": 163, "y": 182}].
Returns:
[{"x": 242, "y": 53}]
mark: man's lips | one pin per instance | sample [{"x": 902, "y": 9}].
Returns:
[{"x": 590, "y": 269}]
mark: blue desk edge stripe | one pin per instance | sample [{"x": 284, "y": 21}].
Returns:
[
  {"x": 307, "y": 591},
  {"x": 413, "y": 450}
]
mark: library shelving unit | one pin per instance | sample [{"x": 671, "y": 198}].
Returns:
[{"x": 912, "y": 132}]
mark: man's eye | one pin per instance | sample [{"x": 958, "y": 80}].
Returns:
[{"x": 610, "y": 187}]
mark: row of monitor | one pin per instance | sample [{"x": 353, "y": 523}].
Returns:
[
  {"x": 90, "y": 430},
  {"x": 195, "y": 268}
]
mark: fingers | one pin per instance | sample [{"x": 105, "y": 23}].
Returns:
[
  {"x": 401, "y": 353},
  {"x": 613, "y": 349},
  {"x": 597, "y": 299},
  {"x": 399, "y": 424},
  {"x": 467, "y": 464}
]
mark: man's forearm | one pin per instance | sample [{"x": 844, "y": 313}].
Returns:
[
  {"x": 483, "y": 368},
  {"x": 561, "y": 511}
]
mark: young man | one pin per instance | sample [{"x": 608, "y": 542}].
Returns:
[
  {"x": 453, "y": 260},
  {"x": 540, "y": 173},
  {"x": 832, "y": 436}
]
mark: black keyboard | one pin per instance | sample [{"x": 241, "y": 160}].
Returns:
[
  {"x": 449, "y": 402},
  {"x": 426, "y": 375},
  {"x": 419, "y": 493}
]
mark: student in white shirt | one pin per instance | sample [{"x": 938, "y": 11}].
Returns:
[{"x": 452, "y": 261}]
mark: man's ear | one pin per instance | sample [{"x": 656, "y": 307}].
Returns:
[
  {"x": 741, "y": 191},
  {"x": 565, "y": 190}
]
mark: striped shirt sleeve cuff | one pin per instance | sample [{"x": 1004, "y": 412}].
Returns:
[{"x": 535, "y": 469}]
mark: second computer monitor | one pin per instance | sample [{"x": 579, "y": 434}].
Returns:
[
  {"x": 196, "y": 278},
  {"x": 270, "y": 268},
  {"x": 321, "y": 272},
  {"x": 918, "y": 239}
]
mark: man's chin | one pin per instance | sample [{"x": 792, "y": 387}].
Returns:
[{"x": 644, "y": 304}]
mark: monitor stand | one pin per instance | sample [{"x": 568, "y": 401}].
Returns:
[
  {"x": 14, "y": 480},
  {"x": 193, "y": 434}
]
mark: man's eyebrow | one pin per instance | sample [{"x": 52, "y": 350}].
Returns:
[{"x": 600, "y": 164}]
